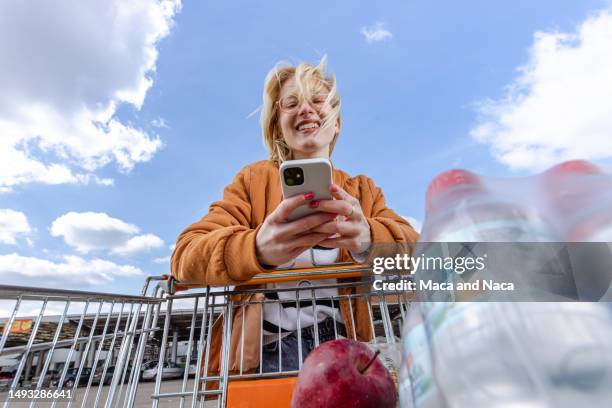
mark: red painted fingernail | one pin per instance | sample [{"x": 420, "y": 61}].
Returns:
[
  {"x": 308, "y": 196},
  {"x": 314, "y": 204},
  {"x": 333, "y": 188}
]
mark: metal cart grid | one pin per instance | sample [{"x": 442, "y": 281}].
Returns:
[{"x": 128, "y": 328}]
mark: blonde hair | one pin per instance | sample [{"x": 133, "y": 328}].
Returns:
[{"x": 308, "y": 80}]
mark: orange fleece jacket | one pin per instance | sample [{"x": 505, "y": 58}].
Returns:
[{"x": 220, "y": 248}]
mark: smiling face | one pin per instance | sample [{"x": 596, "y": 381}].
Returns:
[
  {"x": 300, "y": 115},
  {"x": 306, "y": 119}
]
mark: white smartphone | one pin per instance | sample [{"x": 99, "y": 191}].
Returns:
[{"x": 303, "y": 176}]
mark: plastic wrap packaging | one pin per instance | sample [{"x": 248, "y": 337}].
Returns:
[
  {"x": 517, "y": 353},
  {"x": 390, "y": 355}
]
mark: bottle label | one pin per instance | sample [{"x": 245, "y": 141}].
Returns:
[
  {"x": 500, "y": 230},
  {"x": 418, "y": 361}
]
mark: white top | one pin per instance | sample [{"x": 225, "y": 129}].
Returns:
[{"x": 283, "y": 311}]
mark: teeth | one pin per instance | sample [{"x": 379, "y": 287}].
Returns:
[{"x": 308, "y": 126}]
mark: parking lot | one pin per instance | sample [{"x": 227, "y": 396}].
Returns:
[{"x": 143, "y": 396}]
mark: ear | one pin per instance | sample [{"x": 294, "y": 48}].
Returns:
[{"x": 337, "y": 127}]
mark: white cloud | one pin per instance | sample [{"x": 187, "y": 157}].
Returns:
[
  {"x": 66, "y": 67},
  {"x": 139, "y": 243},
  {"x": 13, "y": 224},
  {"x": 73, "y": 271},
  {"x": 32, "y": 308},
  {"x": 164, "y": 260},
  {"x": 159, "y": 123},
  {"x": 98, "y": 231},
  {"x": 376, "y": 32},
  {"x": 416, "y": 224},
  {"x": 560, "y": 106}
]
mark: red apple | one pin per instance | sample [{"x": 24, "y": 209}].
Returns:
[{"x": 343, "y": 373}]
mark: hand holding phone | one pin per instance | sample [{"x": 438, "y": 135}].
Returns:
[
  {"x": 279, "y": 240},
  {"x": 350, "y": 230},
  {"x": 289, "y": 229},
  {"x": 295, "y": 226}
]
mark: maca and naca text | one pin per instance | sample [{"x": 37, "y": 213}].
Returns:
[
  {"x": 429, "y": 285},
  {"x": 459, "y": 265},
  {"x": 404, "y": 262}
]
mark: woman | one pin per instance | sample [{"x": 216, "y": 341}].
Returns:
[{"x": 248, "y": 233}]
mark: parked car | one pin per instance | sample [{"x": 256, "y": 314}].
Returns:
[
  {"x": 169, "y": 371},
  {"x": 71, "y": 379},
  {"x": 109, "y": 375}
]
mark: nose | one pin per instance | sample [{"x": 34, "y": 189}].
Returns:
[{"x": 305, "y": 108}]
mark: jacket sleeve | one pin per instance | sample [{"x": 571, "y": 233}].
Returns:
[{"x": 220, "y": 249}]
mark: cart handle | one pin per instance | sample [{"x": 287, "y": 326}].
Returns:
[
  {"x": 348, "y": 270},
  {"x": 338, "y": 271}
]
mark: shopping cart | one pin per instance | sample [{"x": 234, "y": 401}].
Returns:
[{"x": 113, "y": 344}]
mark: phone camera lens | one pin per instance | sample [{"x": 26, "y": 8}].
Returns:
[{"x": 294, "y": 176}]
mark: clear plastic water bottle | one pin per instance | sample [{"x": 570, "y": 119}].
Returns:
[
  {"x": 580, "y": 194},
  {"x": 417, "y": 383},
  {"x": 485, "y": 354},
  {"x": 524, "y": 354},
  {"x": 461, "y": 207}
]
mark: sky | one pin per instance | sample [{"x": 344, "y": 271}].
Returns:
[{"x": 120, "y": 122}]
